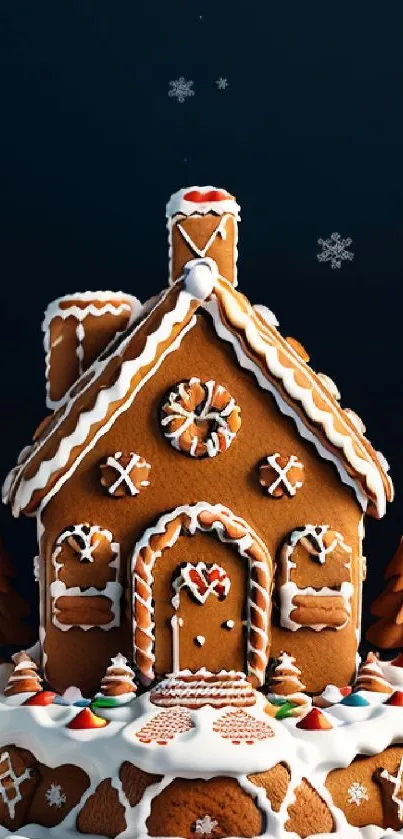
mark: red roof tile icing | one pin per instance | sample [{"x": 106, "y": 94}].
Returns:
[{"x": 117, "y": 377}]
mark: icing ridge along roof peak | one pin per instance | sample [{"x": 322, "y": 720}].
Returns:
[{"x": 120, "y": 372}]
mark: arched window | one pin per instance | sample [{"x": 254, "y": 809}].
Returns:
[
  {"x": 315, "y": 587},
  {"x": 86, "y": 591}
]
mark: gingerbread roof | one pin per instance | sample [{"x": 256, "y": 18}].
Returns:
[{"x": 110, "y": 385}]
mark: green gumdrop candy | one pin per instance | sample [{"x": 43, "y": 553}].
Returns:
[{"x": 285, "y": 710}]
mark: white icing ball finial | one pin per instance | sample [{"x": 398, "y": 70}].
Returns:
[{"x": 200, "y": 276}]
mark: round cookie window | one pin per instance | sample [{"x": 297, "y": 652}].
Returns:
[{"x": 200, "y": 418}]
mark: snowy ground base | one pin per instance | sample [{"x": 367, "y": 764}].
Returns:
[{"x": 202, "y": 749}]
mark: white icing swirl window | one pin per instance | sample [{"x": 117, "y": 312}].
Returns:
[
  {"x": 200, "y": 418},
  {"x": 86, "y": 591},
  {"x": 315, "y": 585}
]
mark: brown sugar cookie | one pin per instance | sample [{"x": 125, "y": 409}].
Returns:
[
  {"x": 124, "y": 474},
  {"x": 281, "y": 475},
  {"x": 274, "y": 782},
  {"x": 135, "y": 782},
  {"x": 186, "y": 808},
  {"x": 102, "y": 812},
  {"x": 19, "y": 779},
  {"x": 58, "y": 791},
  {"x": 356, "y": 789},
  {"x": 309, "y": 813}
]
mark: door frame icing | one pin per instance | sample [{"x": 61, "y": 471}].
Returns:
[{"x": 228, "y": 528}]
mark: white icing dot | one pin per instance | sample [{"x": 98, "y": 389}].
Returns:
[
  {"x": 356, "y": 420},
  {"x": 382, "y": 460},
  {"x": 228, "y": 624},
  {"x": 266, "y": 314},
  {"x": 200, "y": 276},
  {"x": 200, "y": 640},
  {"x": 330, "y": 385}
]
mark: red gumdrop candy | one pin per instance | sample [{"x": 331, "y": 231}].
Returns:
[
  {"x": 86, "y": 719},
  {"x": 41, "y": 699},
  {"x": 396, "y": 699},
  {"x": 398, "y": 661},
  {"x": 314, "y": 721},
  {"x": 198, "y": 197}
]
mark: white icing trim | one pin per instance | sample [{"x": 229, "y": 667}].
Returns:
[
  {"x": 104, "y": 398},
  {"x": 281, "y": 472},
  {"x": 344, "y": 440},
  {"x": 175, "y": 408},
  {"x": 16, "y": 781},
  {"x": 124, "y": 472},
  {"x": 178, "y": 205},
  {"x": 124, "y": 303},
  {"x": 113, "y": 589},
  {"x": 268, "y": 316},
  {"x": 143, "y": 579},
  {"x": 184, "y": 580},
  {"x": 288, "y": 590},
  {"x": 247, "y": 363}
]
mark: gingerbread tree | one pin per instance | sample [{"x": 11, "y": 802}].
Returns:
[
  {"x": 13, "y": 608},
  {"x": 370, "y": 676},
  {"x": 25, "y": 677},
  {"x": 285, "y": 677},
  {"x": 119, "y": 678},
  {"x": 387, "y": 632}
]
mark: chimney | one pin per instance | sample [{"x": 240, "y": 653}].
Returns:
[
  {"x": 77, "y": 329},
  {"x": 203, "y": 221}
]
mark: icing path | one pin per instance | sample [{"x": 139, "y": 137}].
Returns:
[{"x": 202, "y": 752}]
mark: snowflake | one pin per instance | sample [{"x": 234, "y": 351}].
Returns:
[
  {"x": 205, "y": 826},
  {"x": 180, "y": 89},
  {"x": 357, "y": 794},
  {"x": 54, "y": 796},
  {"x": 334, "y": 250},
  {"x": 222, "y": 83}
]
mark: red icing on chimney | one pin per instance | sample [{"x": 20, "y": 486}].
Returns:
[{"x": 198, "y": 197}]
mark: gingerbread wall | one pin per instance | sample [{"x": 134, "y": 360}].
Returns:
[{"x": 231, "y": 478}]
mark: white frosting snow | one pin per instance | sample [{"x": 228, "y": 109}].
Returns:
[{"x": 202, "y": 753}]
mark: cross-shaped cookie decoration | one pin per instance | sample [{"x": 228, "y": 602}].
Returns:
[{"x": 124, "y": 474}]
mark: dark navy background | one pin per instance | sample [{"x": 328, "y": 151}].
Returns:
[{"x": 308, "y": 134}]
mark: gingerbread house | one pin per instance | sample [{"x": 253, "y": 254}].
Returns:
[{"x": 199, "y": 490}]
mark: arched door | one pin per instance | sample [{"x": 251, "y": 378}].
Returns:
[{"x": 202, "y": 582}]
